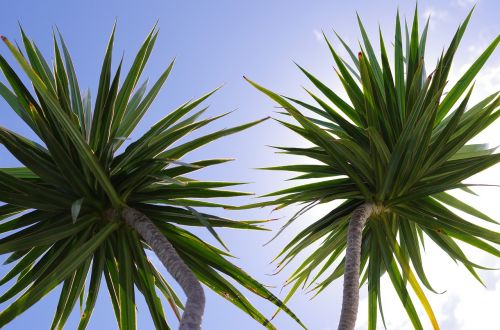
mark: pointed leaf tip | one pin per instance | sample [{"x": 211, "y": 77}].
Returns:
[{"x": 75, "y": 209}]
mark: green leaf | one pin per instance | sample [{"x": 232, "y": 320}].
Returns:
[
  {"x": 93, "y": 289},
  {"x": 75, "y": 209},
  {"x": 397, "y": 281},
  {"x": 63, "y": 269},
  {"x": 126, "y": 294},
  {"x": 399, "y": 70},
  {"x": 87, "y": 156},
  {"x": 15, "y": 104},
  {"x": 181, "y": 150},
  {"x": 44, "y": 235},
  {"x": 464, "y": 81},
  {"x": 102, "y": 91},
  {"x": 25, "y": 263},
  {"x": 206, "y": 223},
  {"x": 132, "y": 115},
  {"x": 132, "y": 77},
  {"x": 76, "y": 98},
  {"x": 218, "y": 284},
  {"x": 458, "y": 204},
  {"x": 332, "y": 96}
]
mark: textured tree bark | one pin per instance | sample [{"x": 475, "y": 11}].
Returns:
[
  {"x": 195, "y": 305},
  {"x": 350, "y": 299}
]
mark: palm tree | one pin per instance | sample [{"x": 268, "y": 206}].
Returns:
[
  {"x": 80, "y": 208},
  {"x": 390, "y": 153}
]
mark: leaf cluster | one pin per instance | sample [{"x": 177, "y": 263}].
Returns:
[
  {"x": 399, "y": 141},
  {"x": 57, "y": 225}
]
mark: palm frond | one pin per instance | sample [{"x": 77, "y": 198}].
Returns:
[
  {"x": 400, "y": 143},
  {"x": 56, "y": 225}
]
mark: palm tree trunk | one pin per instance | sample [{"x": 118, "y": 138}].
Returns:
[
  {"x": 195, "y": 305},
  {"x": 350, "y": 299}
]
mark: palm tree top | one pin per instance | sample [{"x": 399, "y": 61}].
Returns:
[
  {"x": 398, "y": 141},
  {"x": 60, "y": 223}
]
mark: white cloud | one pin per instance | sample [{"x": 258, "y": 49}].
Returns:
[
  {"x": 482, "y": 39},
  {"x": 436, "y": 16},
  {"x": 479, "y": 310},
  {"x": 487, "y": 80},
  {"x": 466, "y": 305}
]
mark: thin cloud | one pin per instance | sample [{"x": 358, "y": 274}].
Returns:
[
  {"x": 318, "y": 35},
  {"x": 487, "y": 81},
  {"x": 464, "y": 3},
  {"x": 436, "y": 17},
  {"x": 465, "y": 306},
  {"x": 436, "y": 14}
]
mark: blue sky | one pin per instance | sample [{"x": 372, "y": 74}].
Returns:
[{"x": 216, "y": 42}]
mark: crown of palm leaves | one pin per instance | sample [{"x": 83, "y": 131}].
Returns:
[
  {"x": 56, "y": 223},
  {"x": 400, "y": 143}
]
